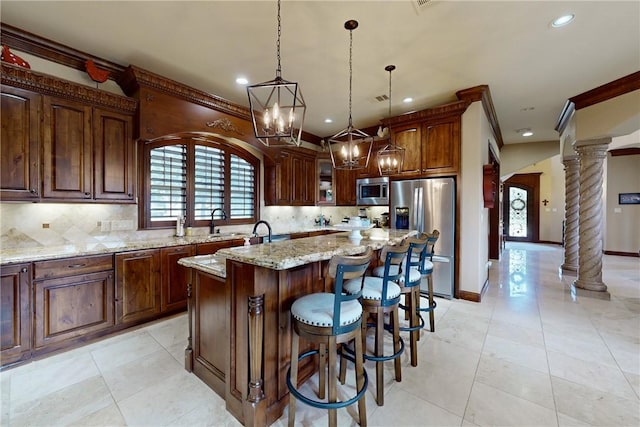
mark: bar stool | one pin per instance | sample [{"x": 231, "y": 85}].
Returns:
[
  {"x": 329, "y": 319},
  {"x": 379, "y": 297},
  {"x": 409, "y": 282},
  {"x": 426, "y": 269}
]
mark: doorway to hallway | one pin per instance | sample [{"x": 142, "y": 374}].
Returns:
[{"x": 521, "y": 199}]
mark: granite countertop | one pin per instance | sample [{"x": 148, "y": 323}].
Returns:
[
  {"x": 113, "y": 245},
  {"x": 292, "y": 253}
]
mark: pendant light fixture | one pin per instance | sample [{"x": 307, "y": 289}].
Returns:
[
  {"x": 277, "y": 107},
  {"x": 350, "y": 148},
  {"x": 391, "y": 157}
]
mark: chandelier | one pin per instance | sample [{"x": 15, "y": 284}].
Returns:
[
  {"x": 350, "y": 148},
  {"x": 391, "y": 157},
  {"x": 277, "y": 107}
]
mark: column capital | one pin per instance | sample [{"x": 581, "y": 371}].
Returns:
[
  {"x": 591, "y": 142},
  {"x": 571, "y": 160}
]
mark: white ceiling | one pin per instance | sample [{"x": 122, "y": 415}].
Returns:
[{"x": 530, "y": 67}]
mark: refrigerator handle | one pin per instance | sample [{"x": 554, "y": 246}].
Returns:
[{"x": 417, "y": 212}]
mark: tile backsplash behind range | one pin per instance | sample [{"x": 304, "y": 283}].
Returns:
[{"x": 27, "y": 225}]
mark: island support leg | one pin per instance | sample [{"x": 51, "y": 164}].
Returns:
[
  {"x": 255, "y": 413},
  {"x": 188, "y": 352}
]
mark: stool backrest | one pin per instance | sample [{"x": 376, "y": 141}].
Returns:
[
  {"x": 415, "y": 254},
  {"x": 393, "y": 256},
  {"x": 341, "y": 268},
  {"x": 432, "y": 238}
]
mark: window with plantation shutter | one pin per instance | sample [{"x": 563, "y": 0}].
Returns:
[
  {"x": 208, "y": 181},
  {"x": 192, "y": 174},
  {"x": 168, "y": 182},
  {"x": 242, "y": 188}
]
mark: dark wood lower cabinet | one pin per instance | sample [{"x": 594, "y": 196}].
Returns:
[
  {"x": 137, "y": 285},
  {"x": 15, "y": 313},
  {"x": 211, "y": 344},
  {"x": 173, "y": 295},
  {"x": 72, "y": 307}
]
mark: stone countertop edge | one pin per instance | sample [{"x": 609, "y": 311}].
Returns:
[
  {"x": 22, "y": 255},
  {"x": 288, "y": 254}
]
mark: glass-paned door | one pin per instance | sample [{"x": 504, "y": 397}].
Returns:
[{"x": 517, "y": 212}]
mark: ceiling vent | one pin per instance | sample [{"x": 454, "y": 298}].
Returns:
[
  {"x": 381, "y": 98},
  {"x": 421, "y": 5}
]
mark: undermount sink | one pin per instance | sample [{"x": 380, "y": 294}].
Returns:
[{"x": 224, "y": 234}]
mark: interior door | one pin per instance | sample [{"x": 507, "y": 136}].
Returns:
[{"x": 520, "y": 207}]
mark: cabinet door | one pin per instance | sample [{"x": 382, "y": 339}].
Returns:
[
  {"x": 441, "y": 146},
  {"x": 284, "y": 179},
  {"x": 408, "y": 137},
  {"x": 15, "y": 313},
  {"x": 137, "y": 285},
  {"x": 303, "y": 183},
  {"x": 345, "y": 187},
  {"x": 174, "y": 277},
  {"x": 325, "y": 182},
  {"x": 20, "y": 161},
  {"x": 69, "y": 307},
  {"x": 114, "y": 174},
  {"x": 66, "y": 149},
  {"x": 371, "y": 171}
]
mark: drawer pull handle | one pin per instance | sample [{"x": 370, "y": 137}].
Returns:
[{"x": 77, "y": 265}]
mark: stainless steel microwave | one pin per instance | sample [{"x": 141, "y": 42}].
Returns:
[{"x": 372, "y": 191}]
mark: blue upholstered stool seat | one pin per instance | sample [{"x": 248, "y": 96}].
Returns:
[{"x": 317, "y": 309}]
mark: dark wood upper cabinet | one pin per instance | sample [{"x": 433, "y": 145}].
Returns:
[
  {"x": 291, "y": 179},
  {"x": 66, "y": 149},
  {"x": 62, "y": 141},
  {"x": 441, "y": 146},
  {"x": 113, "y": 150},
  {"x": 20, "y": 159},
  {"x": 345, "y": 187}
]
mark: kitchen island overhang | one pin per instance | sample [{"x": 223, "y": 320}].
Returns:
[{"x": 239, "y": 318}]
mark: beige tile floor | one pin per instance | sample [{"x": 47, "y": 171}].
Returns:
[{"x": 528, "y": 355}]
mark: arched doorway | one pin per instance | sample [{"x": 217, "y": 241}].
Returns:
[{"x": 521, "y": 196}]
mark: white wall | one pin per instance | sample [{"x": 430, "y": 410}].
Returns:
[
  {"x": 474, "y": 218},
  {"x": 552, "y": 188},
  {"x": 622, "y": 226}
]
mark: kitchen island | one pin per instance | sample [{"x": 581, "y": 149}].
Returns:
[{"x": 239, "y": 319}]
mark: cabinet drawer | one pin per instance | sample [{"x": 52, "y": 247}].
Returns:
[{"x": 72, "y": 266}]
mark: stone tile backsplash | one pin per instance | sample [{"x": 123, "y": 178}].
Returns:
[{"x": 33, "y": 225}]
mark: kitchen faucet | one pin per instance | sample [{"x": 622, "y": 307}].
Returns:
[
  {"x": 212, "y": 227},
  {"x": 255, "y": 227}
]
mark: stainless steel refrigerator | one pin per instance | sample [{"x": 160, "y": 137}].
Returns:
[{"x": 425, "y": 205}]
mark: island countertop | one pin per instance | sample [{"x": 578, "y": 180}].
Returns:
[{"x": 286, "y": 254}]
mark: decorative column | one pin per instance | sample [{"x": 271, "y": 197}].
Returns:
[
  {"x": 591, "y": 154},
  {"x": 571, "y": 211}
]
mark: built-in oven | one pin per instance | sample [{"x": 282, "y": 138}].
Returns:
[{"x": 372, "y": 191}]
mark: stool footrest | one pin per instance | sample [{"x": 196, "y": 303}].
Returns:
[
  {"x": 371, "y": 357},
  {"x": 320, "y": 404},
  {"x": 430, "y": 308}
]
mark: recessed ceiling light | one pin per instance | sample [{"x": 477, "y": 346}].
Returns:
[
  {"x": 525, "y": 131},
  {"x": 242, "y": 80},
  {"x": 407, "y": 100},
  {"x": 562, "y": 20},
  {"x": 328, "y": 120}
]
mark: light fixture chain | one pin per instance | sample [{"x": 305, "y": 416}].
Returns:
[
  {"x": 390, "y": 93},
  {"x": 350, "y": 73},
  {"x": 279, "y": 69}
]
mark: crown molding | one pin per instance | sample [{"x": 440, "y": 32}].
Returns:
[
  {"x": 452, "y": 109},
  {"x": 47, "y": 49},
  {"x": 34, "y": 81},
  {"x": 483, "y": 94},
  {"x": 607, "y": 91}
]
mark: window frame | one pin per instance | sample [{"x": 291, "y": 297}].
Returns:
[{"x": 190, "y": 140}]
